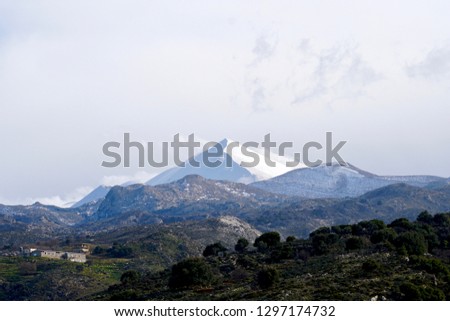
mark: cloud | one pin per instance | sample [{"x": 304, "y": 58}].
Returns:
[
  {"x": 339, "y": 72},
  {"x": 265, "y": 46},
  {"x": 65, "y": 200},
  {"x": 435, "y": 65},
  {"x": 258, "y": 97},
  {"x": 290, "y": 73},
  {"x": 138, "y": 178}
]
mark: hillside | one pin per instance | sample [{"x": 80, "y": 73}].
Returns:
[
  {"x": 301, "y": 217},
  {"x": 366, "y": 261},
  {"x": 145, "y": 249}
]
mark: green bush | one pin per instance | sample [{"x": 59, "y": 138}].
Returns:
[
  {"x": 267, "y": 240},
  {"x": 267, "y": 278},
  {"x": 401, "y": 225},
  {"x": 425, "y": 217},
  {"x": 370, "y": 266},
  {"x": 190, "y": 272},
  {"x": 283, "y": 251},
  {"x": 354, "y": 243},
  {"x": 290, "y": 239},
  {"x": 214, "y": 249},
  {"x": 119, "y": 251},
  {"x": 413, "y": 242},
  {"x": 129, "y": 277},
  {"x": 342, "y": 229},
  {"x": 241, "y": 245},
  {"x": 322, "y": 243},
  {"x": 384, "y": 235},
  {"x": 412, "y": 292},
  {"x": 320, "y": 230}
]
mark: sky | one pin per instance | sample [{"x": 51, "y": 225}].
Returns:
[{"x": 77, "y": 74}]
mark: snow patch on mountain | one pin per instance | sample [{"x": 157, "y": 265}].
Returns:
[{"x": 230, "y": 153}]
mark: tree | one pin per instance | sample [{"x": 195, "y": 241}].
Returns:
[
  {"x": 425, "y": 217},
  {"x": 354, "y": 243},
  {"x": 322, "y": 242},
  {"x": 119, "y": 251},
  {"x": 320, "y": 230},
  {"x": 98, "y": 250},
  {"x": 214, "y": 249},
  {"x": 384, "y": 235},
  {"x": 413, "y": 242},
  {"x": 401, "y": 225},
  {"x": 290, "y": 239},
  {"x": 190, "y": 272},
  {"x": 267, "y": 240},
  {"x": 241, "y": 245}
]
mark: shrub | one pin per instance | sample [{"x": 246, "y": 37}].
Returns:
[
  {"x": 413, "y": 242},
  {"x": 98, "y": 250},
  {"x": 127, "y": 295},
  {"x": 412, "y": 292},
  {"x": 384, "y": 235},
  {"x": 214, "y": 249},
  {"x": 290, "y": 239},
  {"x": 267, "y": 278},
  {"x": 322, "y": 242},
  {"x": 267, "y": 240},
  {"x": 130, "y": 277},
  {"x": 425, "y": 217},
  {"x": 241, "y": 245},
  {"x": 320, "y": 230},
  {"x": 368, "y": 227},
  {"x": 342, "y": 229},
  {"x": 119, "y": 251},
  {"x": 283, "y": 251},
  {"x": 354, "y": 243},
  {"x": 401, "y": 225},
  {"x": 190, "y": 272},
  {"x": 371, "y": 266}
]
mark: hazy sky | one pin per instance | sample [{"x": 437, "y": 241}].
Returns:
[{"x": 76, "y": 74}]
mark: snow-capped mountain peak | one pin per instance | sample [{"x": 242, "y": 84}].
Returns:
[{"x": 234, "y": 160}]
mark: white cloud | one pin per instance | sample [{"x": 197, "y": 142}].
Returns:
[
  {"x": 435, "y": 65},
  {"x": 65, "y": 200},
  {"x": 340, "y": 73},
  {"x": 138, "y": 178}
]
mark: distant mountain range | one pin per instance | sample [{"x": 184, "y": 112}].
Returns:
[
  {"x": 338, "y": 181},
  {"x": 294, "y": 202},
  {"x": 325, "y": 181},
  {"x": 195, "y": 198}
]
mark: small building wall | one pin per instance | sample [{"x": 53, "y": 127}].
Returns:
[{"x": 58, "y": 255}]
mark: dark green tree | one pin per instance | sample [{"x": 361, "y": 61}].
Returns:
[
  {"x": 425, "y": 217},
  {"x": 267, "y": 240},
  {"x": 190, "y": 272},
  {"x": 413, "y": 242},
  {"x": 214, "y": 249},
  {"x": 354, "y": 243},
  {"x": 290, "y": 239},
  {"x": 241, "y": 245}
]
